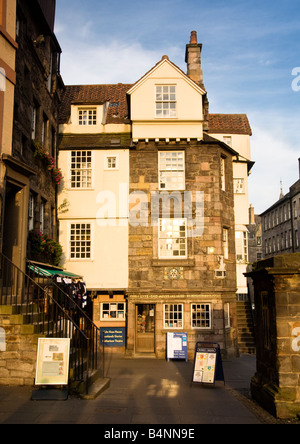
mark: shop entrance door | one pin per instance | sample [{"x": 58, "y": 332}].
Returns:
[{"x": 145, "y": 328}]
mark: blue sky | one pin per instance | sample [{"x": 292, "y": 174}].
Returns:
[{"x": 250, "y": 49}]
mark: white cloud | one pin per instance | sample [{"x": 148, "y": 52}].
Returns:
[
  {"x": 276, "y": 160},
  {"x": 113, "y": 63}
]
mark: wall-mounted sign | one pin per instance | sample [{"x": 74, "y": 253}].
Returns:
[
  {"x": 113, "y": 336},
  {"x": 53, "y": 358},
  {"x": 177, "y": 346}
]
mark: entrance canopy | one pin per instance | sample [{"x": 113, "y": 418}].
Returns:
[{"x": 49, "y": 271}]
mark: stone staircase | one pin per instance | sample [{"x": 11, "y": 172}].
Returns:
[
  {"x": 29, "y": 310},
  {"x": 245, "y": 327}
]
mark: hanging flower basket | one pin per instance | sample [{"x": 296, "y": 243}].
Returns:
[
  {"x": 43, "y": 249},
  {"x": 41, "y": 153}
]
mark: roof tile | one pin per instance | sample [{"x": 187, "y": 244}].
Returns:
[{"x": 229, "y": 124}]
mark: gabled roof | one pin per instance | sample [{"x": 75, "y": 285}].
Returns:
[
  {"x": 97, "y": 94},
  {"x": 165, "y": 59},
  {"x": 229, "y": 124}
]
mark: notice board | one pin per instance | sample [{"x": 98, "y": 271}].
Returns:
[
  {"x": 53, "y": 359},
  {"x": 208, "y": 366},
  {"x": 113, "y": 336},
  {"x": 177, "y": 346}
]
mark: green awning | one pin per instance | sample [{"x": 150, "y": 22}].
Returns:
[{"x": 47, "y": 271}]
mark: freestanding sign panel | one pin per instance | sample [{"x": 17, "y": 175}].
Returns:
[
  {"x": 208, "y": 363},
  {"x": 113, "y": 336},
  {"x": 53, "y": 358},
  {"x": 177, "y": 346}
]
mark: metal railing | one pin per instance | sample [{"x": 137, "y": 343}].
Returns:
[{"x": 52, "y": 313}]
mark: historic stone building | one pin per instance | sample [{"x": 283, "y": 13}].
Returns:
[
  {"x": 8, "y": 46},
  {"x": 146, "y": 208},
  {"x": 29, "y": 175},
  {"x": 281, "y": 223}
]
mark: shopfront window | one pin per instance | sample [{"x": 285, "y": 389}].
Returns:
[{"x": 113, "y": 311}]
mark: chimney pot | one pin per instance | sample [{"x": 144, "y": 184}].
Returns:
[{"x": 193, "y": 40}]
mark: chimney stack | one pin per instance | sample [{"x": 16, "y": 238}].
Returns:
[
  {"x": 193, "y": 59},
  {"x": 251, "y": 215},
  {"x": 299, "y": 166}
]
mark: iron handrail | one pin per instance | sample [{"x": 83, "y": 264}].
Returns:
[
  {"x": 88, "y": 326},
  {"x": 49, "y": 316}
]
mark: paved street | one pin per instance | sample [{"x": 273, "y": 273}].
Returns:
[{"x": 146, "y": 391}]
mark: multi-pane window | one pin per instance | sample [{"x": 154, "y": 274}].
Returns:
[
  {"x": 223, "y": 173},
  {"x": 228, "y": 140},
  {"x": 112, "y": 311},
  {"x": 81, "y": 169},
  {"x": 173, "y": 316},
  {"x": 171, "y": 166},
  {"x": 87, "y": 116},
  {"x": 80, "y": 241},
  {"x": 227, "y": 314},
  {"x": 239, "y": 186},
  {"x": 166, "y": 101},
  {"x": 42, "y": 215},
  {"x": 31, "y": 208},
  {"x": 241, "y": 241},
  {"x": 225, "y": 236},
  {"x": 111, "y": 163},
  {"x": 172, "y": 239},
  {"x": 34, "y": 122},
  {"x": 201, "y": 316}
]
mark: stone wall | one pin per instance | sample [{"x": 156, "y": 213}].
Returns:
[
  {"x": 18, "y": 350},
  {"x": 194, "y": 279},
  {"x": 276, "y": 385}
]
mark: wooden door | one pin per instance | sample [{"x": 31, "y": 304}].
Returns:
[{"x": 145, "y": 328}]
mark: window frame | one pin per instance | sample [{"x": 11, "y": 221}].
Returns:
[
  {"x": 82, "y": 176},
  {"x": 179, "y": 185},
  {"x": 106, "y": 162},
  {"x": 201, "y": 319},
  {"x": 164, "y": 239},
  {"x": 172, "y": 312},
  {"x": 239, "y": 186},
  {"x": 166, "y": 102},
  {"x": 227, "y": 322},
  {"x": 109, "y": 310},
  {"x": 223, "y": 173},
  {"x": 90, "y": 120},
  {"x": 78, "y": 242}
]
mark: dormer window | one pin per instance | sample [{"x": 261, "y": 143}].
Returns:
[
  {"x": 165, "y": 101},
  {"x": 87, "y": 116}
]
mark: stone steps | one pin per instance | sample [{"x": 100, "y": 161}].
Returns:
[{"x": 245, "y": 327}]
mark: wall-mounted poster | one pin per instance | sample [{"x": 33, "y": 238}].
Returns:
[{"x": 53, "y": 358}]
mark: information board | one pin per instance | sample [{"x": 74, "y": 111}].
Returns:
[
  {"x": 53, "y": 359},
  {"x": 113, "y": 336},
  {"x": 208, "y": 363},
  {"x": 177, "y": 346}
]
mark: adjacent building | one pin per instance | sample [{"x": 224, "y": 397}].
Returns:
[
  {"x": 281, "y": 223},
  {"x": 8, "y": 47},
  {"x": 29, "y": 175},
  {"x": 147, "y": 206},
  {"x": 235, "y": 131}
]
